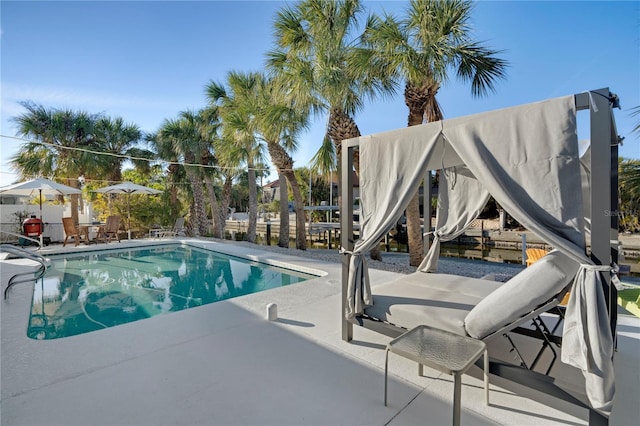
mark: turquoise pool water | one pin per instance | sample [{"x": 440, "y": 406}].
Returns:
[{"x": 90, "y": 291}]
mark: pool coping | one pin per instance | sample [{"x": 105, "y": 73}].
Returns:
[{"x": 222, "y": 246}]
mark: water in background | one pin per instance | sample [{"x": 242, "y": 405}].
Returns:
[{"x": 454, "y": 250}]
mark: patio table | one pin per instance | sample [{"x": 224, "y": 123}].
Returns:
[
  {"x": 91, "y": 229},
  {"x": 156, "y": 232},
  {"x": 444, "y": 351}
]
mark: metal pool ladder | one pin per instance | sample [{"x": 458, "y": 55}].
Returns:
[{"x": 24, "y": 254}]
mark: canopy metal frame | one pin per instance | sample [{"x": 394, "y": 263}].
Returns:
[{"x": 604, "y": 232}]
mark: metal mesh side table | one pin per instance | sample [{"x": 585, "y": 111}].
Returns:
[{"x": 441, "y": 350}]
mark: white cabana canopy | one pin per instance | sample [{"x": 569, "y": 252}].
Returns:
[{"x": 527, "y": 158}]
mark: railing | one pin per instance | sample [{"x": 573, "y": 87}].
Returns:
[{"x": 25, "y": 254}]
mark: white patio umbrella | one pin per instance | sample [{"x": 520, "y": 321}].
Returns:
[
  {"x": 39, "y": 186},
  {"x": 128, "y": 188}
]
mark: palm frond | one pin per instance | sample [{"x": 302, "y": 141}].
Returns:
[{"x": 324, "y": 160}]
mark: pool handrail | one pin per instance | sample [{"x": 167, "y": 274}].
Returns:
[{"x": 27, "y": 254}]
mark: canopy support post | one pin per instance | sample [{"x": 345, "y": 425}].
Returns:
[
  {"x": 603, "y": 194},
  {"x": 346, "y": 225},
  {"x": 427, "y": 197}
]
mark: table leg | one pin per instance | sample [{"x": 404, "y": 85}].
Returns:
[
  {"x": 457, "y": 391},
  {"x": 420, "y": 370},
  {"x": 486, "y": 377},
  {"x": 84, "y": 232},
  {"x": 386, "y": 367}
]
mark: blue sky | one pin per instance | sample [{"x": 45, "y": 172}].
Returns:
[{"x": 147, "y": 61}]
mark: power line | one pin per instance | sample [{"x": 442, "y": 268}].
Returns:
[{"x": 129, "y": 157}]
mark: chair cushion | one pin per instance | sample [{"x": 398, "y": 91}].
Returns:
[
  {"x": 438, "y": 300},
  {"x": 523, "y": 293}
]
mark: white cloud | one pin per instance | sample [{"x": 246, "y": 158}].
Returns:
[{"x": 61, "y": 97}]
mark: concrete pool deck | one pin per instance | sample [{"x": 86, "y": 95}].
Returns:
[{"x": 224, "y": 363}]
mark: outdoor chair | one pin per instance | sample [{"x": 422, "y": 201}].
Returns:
[
  {"x": 178, "y": 229},
  {"x": 110, "y": 230},
  {"x": 71, "y": 230},
  {"x": 473, "y": 307},
  {"x": 534, "y": 254}
]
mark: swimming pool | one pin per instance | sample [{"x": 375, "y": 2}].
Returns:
[{"x": 90, "y": 291}]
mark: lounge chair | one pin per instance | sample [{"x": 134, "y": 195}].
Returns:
[
  {"x": 71, "y": 230},
  {"x": 110, "y": 230},
  {"x": 472, "y": 307},
  {"x": 534, "y": 254},
  {"x": 178, "y": 229}
]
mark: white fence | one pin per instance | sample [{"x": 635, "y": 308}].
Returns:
[{"x": 51, "y": 216}]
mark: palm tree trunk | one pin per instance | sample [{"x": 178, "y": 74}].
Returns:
[
  {"x": 215, "y": 208},
  {"x": 284, "y": 164},
  {"x": 283, "y": 238},
  {"x": 200, "y": 225},
  {"x": 74, "y": 200},
  {"x": 414, "y": 231},
  {"x": 192, "y": 228},
  {"x": 172, "y": 173},
  {"x": 416, "y": 99},
  {"x": 253, "y": 204},
  {"x": 342, "y": 126},
  {"x": 301, "y": 238},
  {"x": 226, "y": 200}
]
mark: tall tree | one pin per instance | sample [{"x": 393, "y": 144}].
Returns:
[
  {"x": 184, "y": 135},
  {"x": 423, "y": 48},
  {"x": 629, "y": 194},
  {"x": 121, "y": 139},
  {"x": 316, "y": 41},
  {"x": 209, "y": 122},
  {"x": 57, "y": 134},
  {"x": 163, "y": 148},
  {"x": 278, "y": 121},
  {"x": 324, "y": 163},
  {"x": 237, "y": 105}
]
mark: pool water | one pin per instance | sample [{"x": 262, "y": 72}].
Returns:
[{"x": 91, "y": 291}]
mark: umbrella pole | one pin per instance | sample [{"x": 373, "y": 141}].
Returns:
[
  {"x": 41, "y": 221},
  {"x": 128, "y": 218}
]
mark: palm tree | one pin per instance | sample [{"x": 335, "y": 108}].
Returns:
[
  {"x": 184, "y": 135},
  {"x": 316, "y": 42},
  {"x": 278, "y": 121},
  {"x": 116, "y": 137},
  {"x": 629, "y": 193},
  {"x": 423, "y": 48},
  {"x": 56, "y": 134},
  {"x": 228, "y": 174},
  {"x": 163, "y": 148},
  {"x": 209, "y": 122},
  {"x": 324, "y": 162},
  {"x": 315, "y": 47},
  {"x": 635, "y": 112},
  {"x": 237, "y": 106}
]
